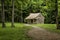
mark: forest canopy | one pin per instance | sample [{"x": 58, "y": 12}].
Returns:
[{"x": 22, "y": 8}]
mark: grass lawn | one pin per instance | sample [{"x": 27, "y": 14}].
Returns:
[
  {"x": 17, "y": 33},
  {"x": 49, "y": 27}
]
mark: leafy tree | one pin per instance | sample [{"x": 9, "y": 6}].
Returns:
[
  {"x": 50, "y": 9},
  {"x": 22, "y": 9}
]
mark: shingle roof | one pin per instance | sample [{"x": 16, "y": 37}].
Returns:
[{"x": 33, "y": 15}]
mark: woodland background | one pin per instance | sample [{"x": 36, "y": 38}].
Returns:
[{"x": 22, "y": 8}]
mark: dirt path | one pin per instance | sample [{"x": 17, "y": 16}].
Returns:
[{"x": 37, "y": 33}]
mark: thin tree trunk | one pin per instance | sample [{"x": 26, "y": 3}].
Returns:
[
  {"x": 21, "y": 15},
  {"x": 57, "y": 20},
  {"x": 3, "y": 14},
  {"x": 13, "y": 13}
]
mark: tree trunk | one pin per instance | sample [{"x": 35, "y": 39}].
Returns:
[
  {"x": 12, "y": 13},
  {"x": 3, "y": 14},
  {"x": 57, "y": 20},
  {"x": 21, "y": 15}
]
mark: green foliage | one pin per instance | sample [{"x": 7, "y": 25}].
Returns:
[
  {"x": 24, "y": 7},
  {"x": 51, "y": 14}
]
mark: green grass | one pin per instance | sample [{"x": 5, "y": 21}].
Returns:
[
  {"x": 16, "y": 24},
  {"x": 17, "y": 33},
  {"x": 49, "y": 27}
]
